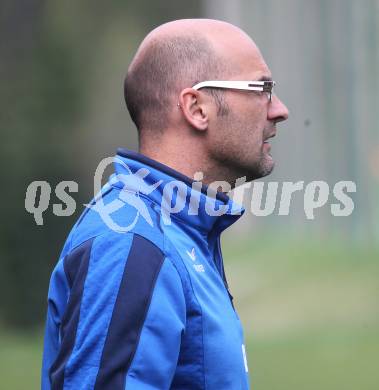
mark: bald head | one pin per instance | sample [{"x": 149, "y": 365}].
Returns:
[
  {"x": 221, "y": 132},
  {"x": 174, "y": 56}
]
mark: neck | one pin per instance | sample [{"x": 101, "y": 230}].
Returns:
[
  {"x": 183, "y": 161},
  {"x": 188, "y": 158}
]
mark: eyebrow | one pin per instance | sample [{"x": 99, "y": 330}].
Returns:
[{"x": 265, "y": 78}]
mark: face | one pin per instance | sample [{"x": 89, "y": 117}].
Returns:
[{"x": 240, "y": 139}]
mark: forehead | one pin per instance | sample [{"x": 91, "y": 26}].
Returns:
[
  {"x": 243, "y": 56},
  {"x": 255, "y": 71},
  {"x": 251, "y": 64}
]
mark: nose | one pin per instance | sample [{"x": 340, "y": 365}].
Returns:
[{"x": 277, "y": 111}]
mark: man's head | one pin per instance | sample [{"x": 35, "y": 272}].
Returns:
[{"x": 224, "y": 129}]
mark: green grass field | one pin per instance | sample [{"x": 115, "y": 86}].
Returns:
[{"x": 310, "y": 313}]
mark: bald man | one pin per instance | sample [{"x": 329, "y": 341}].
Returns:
[{"x": 139, "y": 299}]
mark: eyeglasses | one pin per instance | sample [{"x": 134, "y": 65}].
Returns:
[{"x": 259, "y": 86}]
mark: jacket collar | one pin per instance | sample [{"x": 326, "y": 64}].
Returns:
[{"x": 178, "y": 196}]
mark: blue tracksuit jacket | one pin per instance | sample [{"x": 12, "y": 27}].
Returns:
[{"x": 138, "y": 299}]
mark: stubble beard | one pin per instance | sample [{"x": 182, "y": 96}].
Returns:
[
  {"x": 261, "y": 168},
  {"x": 238, "y": 162}
]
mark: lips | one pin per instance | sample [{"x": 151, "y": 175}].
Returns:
[{"x": 270, "y": 136}]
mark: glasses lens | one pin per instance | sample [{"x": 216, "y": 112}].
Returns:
[{"x": 267, "y": 87}]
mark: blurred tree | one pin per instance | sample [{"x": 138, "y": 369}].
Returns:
[
  {"x": 40, "y": 97},
  {"x": 47, "y": 55}
]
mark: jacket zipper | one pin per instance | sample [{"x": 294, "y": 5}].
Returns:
[{"x": 220, "y": 266}]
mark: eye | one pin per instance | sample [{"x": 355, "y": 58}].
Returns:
[{"x": 264, "y": 93}]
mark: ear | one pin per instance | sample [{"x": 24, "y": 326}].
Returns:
[{"x": 194, "y": 108}]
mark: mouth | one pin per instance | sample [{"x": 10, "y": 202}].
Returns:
[
  {"x": 266, "y": 146},
  {"x": 265, "y": 141}
]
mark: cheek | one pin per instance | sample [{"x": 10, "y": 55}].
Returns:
[
  {"x": 256, "y": 137},
  {"x": 254, "y": 118},
  {"x": 238, "y": 134}
]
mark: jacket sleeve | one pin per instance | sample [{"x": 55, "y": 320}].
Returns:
[
  {"x": 57, "y": 299},
  {"x": 124, "y": 318}
]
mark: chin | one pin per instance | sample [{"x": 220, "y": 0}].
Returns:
[
  {"x": 257, "y": 171},
  {"x": 268, "y": 170}
]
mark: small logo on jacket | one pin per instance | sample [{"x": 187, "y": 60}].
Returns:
[
  {"x": 192, "y": 254},
  {"x": 199, "y": 267}
]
